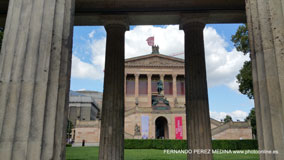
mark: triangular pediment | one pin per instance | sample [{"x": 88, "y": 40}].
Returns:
[{"x": 154, "y": 60}]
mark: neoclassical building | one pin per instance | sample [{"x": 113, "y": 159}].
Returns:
[
  {"x": 153, "y": 115},
  {"x": 35, "y": 69}
]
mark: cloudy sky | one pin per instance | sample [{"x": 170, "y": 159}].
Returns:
[{"x": 223, "y": 62}]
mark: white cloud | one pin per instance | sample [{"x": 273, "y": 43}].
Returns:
[
  {"x": 82, "y": 69},
  {"x": 98, "y": 48},
  {"x": 222, "y": 65},
  {"x": 236, "y": 115},
  {"x": 91, "y": 34},
  {"x": 170, "y": 40},
  {"x": 82, "y": 89}
]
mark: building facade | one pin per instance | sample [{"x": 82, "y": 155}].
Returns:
[
  {"x": 151, "y": 113},
  {"x": 82, "y": 107}
]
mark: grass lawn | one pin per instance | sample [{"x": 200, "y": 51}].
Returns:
[{"x": 91, "y": 153}]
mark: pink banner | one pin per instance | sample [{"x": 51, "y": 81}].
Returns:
[
  {"x": 150, "y": 41},
  {"x": 178, "y": 121}
]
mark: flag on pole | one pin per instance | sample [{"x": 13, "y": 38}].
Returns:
[{"x": 150, "y": 41}]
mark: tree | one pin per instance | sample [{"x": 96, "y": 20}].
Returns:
[
  {"x": 1, "y": 36},
  {"x": 69, "y": 129},
  {"x": 244, "y": 78},
  {"x": 241, "y": 40},
  {"x": 251, "y": 117},
  {"x": 227, "y": 119}
]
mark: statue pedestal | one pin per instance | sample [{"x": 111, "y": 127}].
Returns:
[{"x": 160, "y": 103}]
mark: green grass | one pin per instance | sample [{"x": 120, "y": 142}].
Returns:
[{"x": 91, "y": 153}]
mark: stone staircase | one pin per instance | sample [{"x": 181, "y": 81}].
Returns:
[
  {"x": 128, "y": 135},
  {"x": 221, "y": 128},
  {"x": 228, "y": 125},
  {"x": 130, "y": 111}
]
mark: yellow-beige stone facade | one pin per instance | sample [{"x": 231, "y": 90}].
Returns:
[{"x": 141, "y": 76}]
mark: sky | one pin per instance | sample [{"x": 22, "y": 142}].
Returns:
[{"x": 223, "y": 61}]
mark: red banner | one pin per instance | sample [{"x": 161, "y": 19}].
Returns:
[{"x": 178, "y": 122}]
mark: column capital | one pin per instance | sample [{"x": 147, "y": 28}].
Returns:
[
  {"x": 115, "y": 21},
  {"x": 174, "y": 75},
  {"x": 193, "y": 21},
  {"x": 149, "y": 75},
  {"x": 137, "y": 75}
]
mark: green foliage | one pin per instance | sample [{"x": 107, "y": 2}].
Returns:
[
  {"x": 1, "y": 36},
  {"x": 154, "y": 144},
  {"x": 241, "y": 40},
  {"x": 68, "y": 145},
  {"x": 182, "y": 144},
  {"x": 69, "y": 129},
  {"x": 227, "y": 119},
  {"x": 251, "y": 117},
  {"x": 244, "y": 78},
  {"x": 235, "y": 144}
]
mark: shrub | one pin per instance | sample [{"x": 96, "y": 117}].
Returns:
[
  {"x": 68, "y": 145},
  {"x": 182, "y": 144}
]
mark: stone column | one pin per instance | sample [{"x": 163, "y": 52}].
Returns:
[
  {"x": 125, "y": 78},
  {"x": 197, "y": 108},
  {"x": 274, "y": 96},
  {"x": 136, "y": 85},
  {"x": 276, "y": 8},
  {"x": 174, "y": 76},
  {"x": 267, "y": 26},
  {"x": 35, "y": 72},
  {"x": 149, "y": 76},
  {"x": 112, "y": 129},
  {"x": 253, "y": 48},
  {"x": 162, "y": 76}
]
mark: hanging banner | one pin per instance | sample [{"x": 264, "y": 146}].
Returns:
[
  {"x": 145, "y": 127},
  {"x": 178, "y": 122}
]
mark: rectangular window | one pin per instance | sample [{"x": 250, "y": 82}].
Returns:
[
  {"x": 130, "y": 87},
  {"x": 143, "y": 87},
  {"x": 154, "y": 86},
  {"x": 168, "y": 87},
  {"x": 180, "y": 88}
]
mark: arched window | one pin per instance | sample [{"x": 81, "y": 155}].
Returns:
[{"x": 130, "y": 85}]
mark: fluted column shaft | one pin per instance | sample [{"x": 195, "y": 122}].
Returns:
[
  {"x": 112, "y": 128},
  {"x": 197, "y": 108},
  {"x": 35, "y": 72},
  {"x": 149, "y": 77},
  {"x": 136, "y": 85},
  {"x": 162, "y": 77},
  {"x": 267, "y": 27},
  {"x": 174, "y": 86},
  {"x": 259, "y": 124}
]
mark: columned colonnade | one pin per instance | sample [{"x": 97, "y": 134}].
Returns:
[
  {"x": 149, "y": 83},
  {"x": 197, "y": 108},
  {"x": 35, "y": 64}
]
